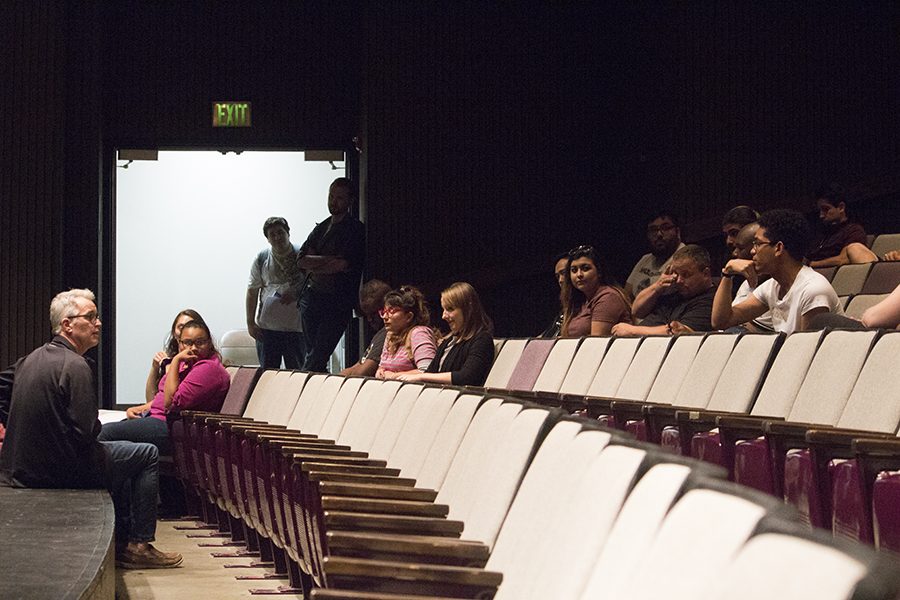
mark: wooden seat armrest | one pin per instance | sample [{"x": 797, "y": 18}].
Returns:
[
  {"x": 241, "y": 426},
  {"x": 331, "y": 594},
  {"x": 369, "y": 572},
  {"x": 358, "y": 490},
  {"x": 384, "y": 506},
  {"x": 323, "y": 468},
  {"x": 876, "y": 446},
  {"x": 334, "y": 458},
  {"x": 627, "y": 409},
  {"x": 751, "y": 425},
  {"x": 842, "y": 438},
  {"x": 361, "y": 478},
  {"x": 546, "y": 398},
  {"x": 661, "y": 411},
  {"x": 597, "y": 405},
  {"x": 312, "y": 451},
  {"x": 790, "y": 429},
  {"x": 272, "y": 435},
  {"x": 436, "y": 549},
  {"x": 410, "y": 525}
]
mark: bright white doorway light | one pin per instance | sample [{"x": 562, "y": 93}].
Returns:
[{"x": 188, "y": 227}]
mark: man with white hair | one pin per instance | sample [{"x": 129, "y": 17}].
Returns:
[{"x": 51, "y": 437}]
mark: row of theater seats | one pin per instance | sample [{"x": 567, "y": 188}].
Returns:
[
  {"x": 812, "y": 418},
  {"x": 363, "y": 488},
  {"x": 867, "y": 278}
]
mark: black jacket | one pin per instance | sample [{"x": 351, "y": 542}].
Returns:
[{"x": 468, "y": 362}]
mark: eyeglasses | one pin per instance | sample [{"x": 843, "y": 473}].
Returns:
[
  {"x": 581, "y": 250},
  {"x": 757, "y": 243},
  {"x": 665, "y": 228},
  {"x": 92, "y": 316},
  {"x": 194, "y": 343},
  {"x": 389, "y": 311}
]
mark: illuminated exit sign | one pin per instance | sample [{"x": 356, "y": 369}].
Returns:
[{"x": 231, "y": 114}]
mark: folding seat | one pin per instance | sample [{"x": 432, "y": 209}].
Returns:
[
  {"x": 530, "y": 364},
  {"x": 619, "y": 355},
  {"x": 735, "y": 391},
  {"x": 883, "y": 278},
  {"x": 786, "y": 560},
  {"x": 862, "y": 302},
  {"x": 238, "y": 348},
  {"x": 820, "y": 401},
  {"x": 849, "y": 279},
  {"x": 705, "y": 529},
  {"x": 872, "y": 410},
  {"x": 826, "y": 272},
  {"x": 555, "y": 368},
  {"x": 885, "y": 243},
  {"x": 498, "y": 344},
  {"x": 584, "y": 365},
  {"x": 674, "y": 380},
  {"x": 505, "y": 363},
  {"x": 779, "y": 389}
]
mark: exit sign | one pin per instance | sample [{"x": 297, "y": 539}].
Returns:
[{"x": 231, "y": 114}]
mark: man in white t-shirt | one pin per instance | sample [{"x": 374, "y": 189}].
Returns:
[
  {"x": 794, "y": 294},
  {"x": 664, "y": 238},
  {"x": 273, "y": 318}
]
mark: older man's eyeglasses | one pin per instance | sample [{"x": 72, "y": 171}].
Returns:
[{"x": 92, "y": 316}]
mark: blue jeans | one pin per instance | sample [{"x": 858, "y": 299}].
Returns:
[
  {"x": 325, "y": 317},
  {"x": 132, "y": 478},
  {"x": 275, "y": 345},
  {"x": 146, "y": 430}
]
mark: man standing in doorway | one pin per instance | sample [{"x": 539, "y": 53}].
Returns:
[
  {"x": 273, "y": 318},
  {"x": 333, "y": 257}
]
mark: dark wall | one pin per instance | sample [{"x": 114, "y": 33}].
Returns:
[{"x": 492, "y": 138}]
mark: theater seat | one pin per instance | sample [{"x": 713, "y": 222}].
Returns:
[
  {"x": 238, "y": 349},
  {"x": 884, "y": 243},
  {"x": 505, "y": 363},
  {"x": 849, "y": 279},
  {"x": 530, "y": 364},
  {"x": 883, "y": 278}
]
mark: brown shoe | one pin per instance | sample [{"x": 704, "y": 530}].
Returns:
[{"x": 149, "y": 558}]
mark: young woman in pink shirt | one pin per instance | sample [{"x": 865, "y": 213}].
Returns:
[{"x": 410, "y": 344}]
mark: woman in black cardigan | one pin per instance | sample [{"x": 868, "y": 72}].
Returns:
[{"x": 466, "y": 355}]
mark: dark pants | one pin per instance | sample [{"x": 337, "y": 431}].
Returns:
[
  {"x": 132, "y": 478},
  {"x": 325, "y": 317},
  {"x": 147, "y": 430},
  {"x": 275, "y": 345}
]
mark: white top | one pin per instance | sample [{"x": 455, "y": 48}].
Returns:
[
  {"x": 271, "y": 313},
  {"x": 646, "y": 271},
  {"x": 764, "y": 320},
  {"x": 810, "y": 290}
]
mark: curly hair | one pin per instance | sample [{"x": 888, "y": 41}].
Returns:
[{"x": 408, "y": 299}]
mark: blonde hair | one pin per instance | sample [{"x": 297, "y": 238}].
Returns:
[{"x": 463, "y": 296}]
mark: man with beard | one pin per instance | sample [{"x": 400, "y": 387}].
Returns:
[{"x": 664, "y": 237}]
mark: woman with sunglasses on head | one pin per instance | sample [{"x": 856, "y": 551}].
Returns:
[
  {"x": 410, "y": 343},
  {"x": 161, "y": 361},
  {"x": 592, "y": 302},
  {"x": 466, "y": 355},
  {"x": 194, "y": 379}
]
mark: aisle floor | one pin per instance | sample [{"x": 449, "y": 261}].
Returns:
[{"x": 199, "y": 576}]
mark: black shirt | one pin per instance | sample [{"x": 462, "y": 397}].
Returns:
[
  {"x": 51, "y": 440},
  {"x": 695, "y": 312},
  {"x": 346, "y": 239}
]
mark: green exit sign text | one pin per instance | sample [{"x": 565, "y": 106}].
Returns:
[{"x": 231, "y": 114}]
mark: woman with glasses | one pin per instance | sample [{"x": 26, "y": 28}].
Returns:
[
  {"x": 161, "y": 360},
  {"x": 410, "y": 343},
  {"x": 194, "y": 379},
  {"x": 466, "y": 355},
  {"x": 592, "y": 302}
]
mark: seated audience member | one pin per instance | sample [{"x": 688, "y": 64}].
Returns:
[
  {"x": 466, "y": 355},
  {"x": 559, "y": 269},
  {"x": 592, "y": 302},
  {"x": 51, "y": 439},
  {"x": 664, "y": 237},
  {"x": 884, "y": 315},
  {"x": 371, "y": 300},
  {"x": 743, "y": 247},
  {"x": 195, "y": 380},
  {"x": 410, "y": 345},
  {"x": 794, "y": 294},
  {"x": 734, "y": 220},
  {"x": 843, "y": 241},
  {"x": 679, "y": 301},
  {"x": 161, "y": 360}
]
